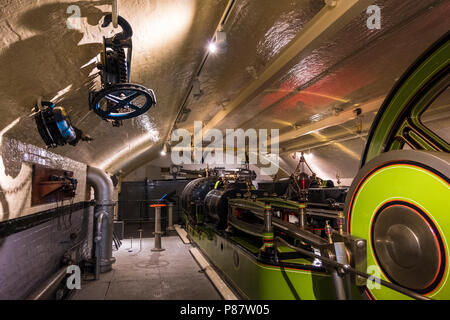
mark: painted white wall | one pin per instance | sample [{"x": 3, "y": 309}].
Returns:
[{"x": 16, "y": 166}]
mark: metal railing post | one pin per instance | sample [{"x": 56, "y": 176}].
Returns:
[
  {"x": 131, "y": 248},
  {"x": 170, "y": 207},
  {"x": 158, "y": 233},
  {"x": 140, "y": 239}
]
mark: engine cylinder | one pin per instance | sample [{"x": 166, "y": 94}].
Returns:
[
  {"x": 216, "y": 206},
  {"x": 192, "y": 198}
]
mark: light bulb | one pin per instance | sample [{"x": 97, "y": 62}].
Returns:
[
  {"x": 164, "y": 151},
  {"x": 212, "y": 47}
]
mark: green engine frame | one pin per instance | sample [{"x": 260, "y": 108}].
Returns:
[
  {"x": 236, "y": 256},
  {"x": 397, "y": 123}
]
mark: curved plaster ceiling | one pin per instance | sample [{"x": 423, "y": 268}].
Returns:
[{"x": 291, "y": 65}]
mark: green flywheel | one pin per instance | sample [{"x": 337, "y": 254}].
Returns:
[
  {"x": 399, "y": 201},
  {"x": 398, "y": 122},
  {"x": 400, "y": 205}
]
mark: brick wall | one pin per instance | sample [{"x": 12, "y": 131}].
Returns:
[{"x": 29, "y": 257}]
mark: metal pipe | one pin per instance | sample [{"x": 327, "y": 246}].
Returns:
[
  {"x": 295, "y": 232},
  {"x": 115, "y": 14},
  {"x": 45, "y": 289},
  {"x": 100, "y": 216},
  {"x": 103, "y": 191}
]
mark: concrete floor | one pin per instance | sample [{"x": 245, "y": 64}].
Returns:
[{"x": 172, "y": 274}]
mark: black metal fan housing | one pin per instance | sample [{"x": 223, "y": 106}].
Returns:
[{"x": 54, "y": 125}]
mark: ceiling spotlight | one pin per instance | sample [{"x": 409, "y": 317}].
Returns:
[
  {"x": 309, "y": 155},
  {"x": 164, "y": 150},
  {"x": 212, "y": 47},
  {"x": 219, "y": 44}
]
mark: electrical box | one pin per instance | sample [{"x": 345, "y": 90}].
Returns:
[{"x": 51, "y": 185}]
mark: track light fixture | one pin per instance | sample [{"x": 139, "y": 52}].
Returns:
[
  {"x": 164, "y": 150},
  {"x": 197, "y": 92},
  {"x": 219, "y": 44},
  {"x": 212, "y": 47}
]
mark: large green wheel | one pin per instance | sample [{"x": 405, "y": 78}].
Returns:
[
  {"x": 399, "y": 199},
  {"x": 398, "y": 121},
  {"x": 400, "y": 205}
]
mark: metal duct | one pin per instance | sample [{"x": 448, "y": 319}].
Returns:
[{"x": 103, "y": 215}]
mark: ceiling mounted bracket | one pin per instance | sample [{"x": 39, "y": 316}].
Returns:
[
  {"x": 119, "y": 99},
  {"x": 331, "y": 3},
  {"x": 115, "y": 14}
]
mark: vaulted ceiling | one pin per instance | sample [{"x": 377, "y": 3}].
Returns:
[{"x": 294, "y": 65}]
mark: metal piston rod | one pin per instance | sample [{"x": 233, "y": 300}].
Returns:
[{"x": 348, "y": 268}]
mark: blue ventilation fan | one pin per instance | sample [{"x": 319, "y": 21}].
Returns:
[
  {"x": 54, "y": 126},
  {"x": 118, "y": 99}
]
